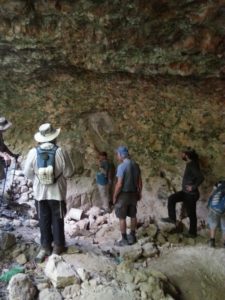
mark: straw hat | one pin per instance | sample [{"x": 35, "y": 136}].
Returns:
[
  {"x": 46, "y": 133},
  {"x": 4, "y": 124}
]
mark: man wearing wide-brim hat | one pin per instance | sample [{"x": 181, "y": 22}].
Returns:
[
  {"x": 50, "y": 197},
  {"x": 5, "y": 154}
]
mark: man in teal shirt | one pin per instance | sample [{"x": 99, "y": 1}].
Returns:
[{"x": 103, "y": 181}]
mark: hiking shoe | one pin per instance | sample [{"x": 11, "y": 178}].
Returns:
[
  {"x": 121, "y": 243},
  {"x": 58, "y": 249},
  {"x": 105, "y": 210},
  {"x": 212, "y": 243},
  {"x": 42, "y": 254},
  {"x": 131, "y": 239},
  {"x": 168, "y": 220}
]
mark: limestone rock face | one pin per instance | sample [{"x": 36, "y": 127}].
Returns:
[
  {"x": 148, "y": 74},
  {"x": 157, "y": 37}
]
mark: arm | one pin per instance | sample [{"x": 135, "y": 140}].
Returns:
[
  {"x": 198, "y": 178},
  {"x": 6, "y": 157},
  {"x": 119, "y": 183},
  {"x": 68, "y": 167},
  {"x": 29, "y": 165},
  {"x": 139, "y": 186},
  {"x": 10, "y": 152},
  {"x": 117, "y": 190},
  {"x": 139, "y": 182}
]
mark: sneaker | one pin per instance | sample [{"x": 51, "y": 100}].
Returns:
[
  {"x": 212, "y": 243},
  {"x": 121, "y": 243},
  {"x": 58, "y": 249},
  {"x": 42, "y": 254},
  {"x": 131, "y": 239},
  {"x": 168, "y": 220}
]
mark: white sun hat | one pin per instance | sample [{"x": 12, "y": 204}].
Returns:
[
  {"x": 4, "y": 124},
  {"x": 46, "y": 133}
]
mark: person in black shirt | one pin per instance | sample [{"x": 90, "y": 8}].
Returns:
[{"x": 189, "y": 194}]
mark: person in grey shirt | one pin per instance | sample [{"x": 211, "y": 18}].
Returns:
[{"x": 126, "y": 194}]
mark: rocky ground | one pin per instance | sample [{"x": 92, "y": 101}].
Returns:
[{"x": 163, "y": 264}]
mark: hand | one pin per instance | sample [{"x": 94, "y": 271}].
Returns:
[
  {"x": 7, "y": 158},
  {"x": 188, "y": 188},
  {"x": 7, "y": 162},
  {"x": 139, "y": 196},
  {"x": 16, "y": 156}
]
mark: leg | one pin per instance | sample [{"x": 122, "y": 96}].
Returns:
[
  {"x": 121, "y": 213},
  {"x": 104, "y": 195},
  {"x": 172, "y": 200},
  {"x": 190, "y": 204},
  {"x": 132, "y": 212},
  {"x": 44, "y": 216},
  {"x": 57, "y": 211},
  {"x": 45, "y": 221},
  {"x": 123, "y": 230},
  {"x": 123, "y": 227},
  {"x": 213, "y": 223},
  {"x": 106, "y": 198},
  {"x": 222, "y": 223},
  {"x": 133, "y": 224}
]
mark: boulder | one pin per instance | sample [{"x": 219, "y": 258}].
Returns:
[
  {"x": 71, "y": 290},
  {"x": 21, "y": 259},
  {"x": 83, "y": 274},
  {"x": 94, "y": 211},
  {"x": 24, "y": 189},
  {"x": 50, "y": 294},
  {"x": 150, "y": 250},
  {"x": 83, "y": 224},
  {"x": 21, "y": 287},
  {"x": 75, "y": 214},
  {"x": 131, "y": 252},
  {"x": 72, "y": 229},
  {"x": 23, "y": 198},
  {"x": 7, "y": 240},
  {"x": 59, "y": 272}
]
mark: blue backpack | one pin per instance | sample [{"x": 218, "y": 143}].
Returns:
[
  {"x": 46, "y": 165},
  {"x": 217, "y": 200}
]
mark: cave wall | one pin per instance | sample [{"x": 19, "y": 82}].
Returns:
[
  {"x": 146, "y": 37},
  {"x": 148, "y": 74}
]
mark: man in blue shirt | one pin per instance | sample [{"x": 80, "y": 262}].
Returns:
[
  {"x": 103, "y": 180},
  {"x": 126, "y": 194}
]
